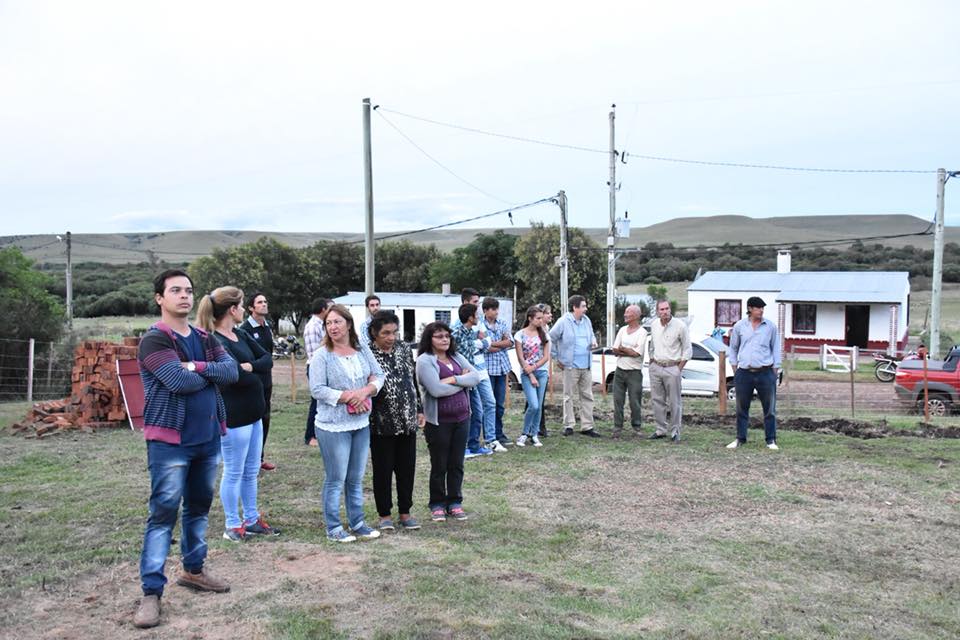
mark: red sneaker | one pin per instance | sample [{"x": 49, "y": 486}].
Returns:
[{"x": 267, "y": 466}]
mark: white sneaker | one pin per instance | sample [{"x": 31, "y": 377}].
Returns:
[
  {"x": 536, "y": 441},
  {"x": 773, "y": 446},
  {"x": 522, "y": 441},
  {"x": 497, "y": 447},
  {"x": 734, "y": 444}
]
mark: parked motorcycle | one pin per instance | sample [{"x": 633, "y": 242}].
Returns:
[
  {"x": 885, "y": 368},
  {"x": 283, "y": 347}
]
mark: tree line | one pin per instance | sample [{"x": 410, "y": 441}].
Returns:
[{"x": 662, "y": 262}]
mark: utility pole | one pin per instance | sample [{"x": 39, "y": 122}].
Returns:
[
  {"x": 368, "y": 197},
  {"x": 937, "y": 290},
  {"x": 562, "y": 261},
  {"x": 69, "y": 285},
  {"x": 612, "y": 237}
]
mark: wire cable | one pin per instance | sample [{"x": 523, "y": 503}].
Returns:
[
  {"x": 464, "y": 221},
  {"x": 777, "y": 167},
  {"x": 624, "y": 155},
  {"x": 438, "y": 163},
  {"x": 494, "y": 134}
]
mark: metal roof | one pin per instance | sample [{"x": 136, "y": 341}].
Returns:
[
  {"x": 396, "y": 300},
  {"x": 811, "y": 286}
]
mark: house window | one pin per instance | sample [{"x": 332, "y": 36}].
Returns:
[
  {"x": 442, "y": 316},
  {"x": 804, "y": 318},
  {"x": 727, "y": 312}
]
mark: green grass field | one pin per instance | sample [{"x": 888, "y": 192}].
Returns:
[{"x": 830, "y": 537}]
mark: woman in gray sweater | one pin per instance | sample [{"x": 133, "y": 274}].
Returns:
[
  {"x": 445, "y": 376},
  {"x": 343, "y": 377}
]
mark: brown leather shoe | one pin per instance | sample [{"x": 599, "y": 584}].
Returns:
[
  {"x": 148, "y": 613},
  {"x": 203, "y": 581}
]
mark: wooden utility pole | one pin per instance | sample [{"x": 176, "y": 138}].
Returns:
[
  {"x": 612, "y": 237},
  {"x": 937, "y": 288},
  {"x": 368, "y": 198},
  {"x": 69, "y": 285},
  {"x": 562, "y": 261}
]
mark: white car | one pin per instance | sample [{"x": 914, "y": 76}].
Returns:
[{"x": 700, "y": 375}]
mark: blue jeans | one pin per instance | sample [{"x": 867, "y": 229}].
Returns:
[
  {"x": 765, "y": 383},
  {"x": 177, "y": 473},
  {"x": 344, "y": 461},
  {"x": 483, "y": 412},
  {"x": 499, "y": 384},
  {"x": 534, "y": 395},
  {"x": 241, "y": 465}
]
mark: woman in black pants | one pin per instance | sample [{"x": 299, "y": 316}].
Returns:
[
  {"x": 396, "y": 414},
  {"x": 445, "y": 377}
]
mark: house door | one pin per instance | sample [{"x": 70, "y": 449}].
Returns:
[
  {"x": 858, "y": 325},
  {"x": 409, "y": 324}
]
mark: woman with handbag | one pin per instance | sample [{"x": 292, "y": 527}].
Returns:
[
  {"x": 343, "y": 377},
  {"x": 445, "y": 377}
]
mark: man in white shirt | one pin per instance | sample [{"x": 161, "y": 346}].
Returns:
[
  {"x": 628, "y": 346},
  {"x": 670, "y": 339}
]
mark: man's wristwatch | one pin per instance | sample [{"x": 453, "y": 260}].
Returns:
[{"x": 191, "y": 366}]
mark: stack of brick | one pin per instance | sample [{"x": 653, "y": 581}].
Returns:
[{"x": 95, "y": 398}]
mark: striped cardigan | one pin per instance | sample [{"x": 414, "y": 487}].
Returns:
[{"x": 166, "y": 384}]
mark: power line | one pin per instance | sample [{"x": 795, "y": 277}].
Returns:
[
  {"x": 494, "y": 134},
  {"x": 624, "y": 155},
  {"x": 749, "y": 165},
  {"x": 464, "y": 221},
  {"x": 437, "y": 162}
]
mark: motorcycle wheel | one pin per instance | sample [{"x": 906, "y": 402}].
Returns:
[
  {"x": 300, "y": 354},
  {"x": 885, "y": 371}
]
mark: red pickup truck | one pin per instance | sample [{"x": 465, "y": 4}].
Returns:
[{"x": 943, "y": 383}]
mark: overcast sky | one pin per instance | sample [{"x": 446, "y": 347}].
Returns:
[{"x": 132, "y": 116}]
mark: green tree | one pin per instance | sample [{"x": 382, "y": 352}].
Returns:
[
  {"x": 404, "y": 266},
  {"x": 539, "y": 274},
  {"x": 31, "y": 312},
  {"x": 237, "y": 266},
  {"x": 488, "y": 264}
]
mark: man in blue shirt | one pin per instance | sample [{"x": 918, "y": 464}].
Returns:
[
  {"x": 573, "y": 339},
  {"x": 755, "y": 356}
]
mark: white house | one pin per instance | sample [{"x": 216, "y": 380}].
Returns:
[
  {"x": 868, "y": 309},
  {"x": 417, "y": 310}
]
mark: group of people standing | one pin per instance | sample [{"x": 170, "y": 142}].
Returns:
[
  {"x": 206, "y": 394},
  {"x": 207, "y": 397}
]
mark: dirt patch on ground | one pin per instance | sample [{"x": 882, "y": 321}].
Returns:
[
  {"x": 833, "y": 426},
  {"x": 102, "y": 605}
]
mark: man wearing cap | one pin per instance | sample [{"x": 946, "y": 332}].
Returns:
[
  {"x": 755, "y": 356},
  {"x": 670, "y": 340}
]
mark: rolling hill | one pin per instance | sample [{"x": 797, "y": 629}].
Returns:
[{"x": 185, "y": 246}]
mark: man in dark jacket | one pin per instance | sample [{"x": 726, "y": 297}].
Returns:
[
  {"x": 258, "y": 327},
  {"x": 184, "y": 417}
]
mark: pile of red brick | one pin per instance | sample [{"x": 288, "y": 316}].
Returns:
[{"x": 95, "y": 399}]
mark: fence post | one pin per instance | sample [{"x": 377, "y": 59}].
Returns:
[
  {"x": 926, "y": 390},
  {"x": 603, "y": 373},
  {"x": 853, "y": 411},
  {"x": 722, "y": 396},
  {"x": 50, "y": 369},
  {"x": 293, "y": 378},
  {"x": 30, "y": 348}
]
